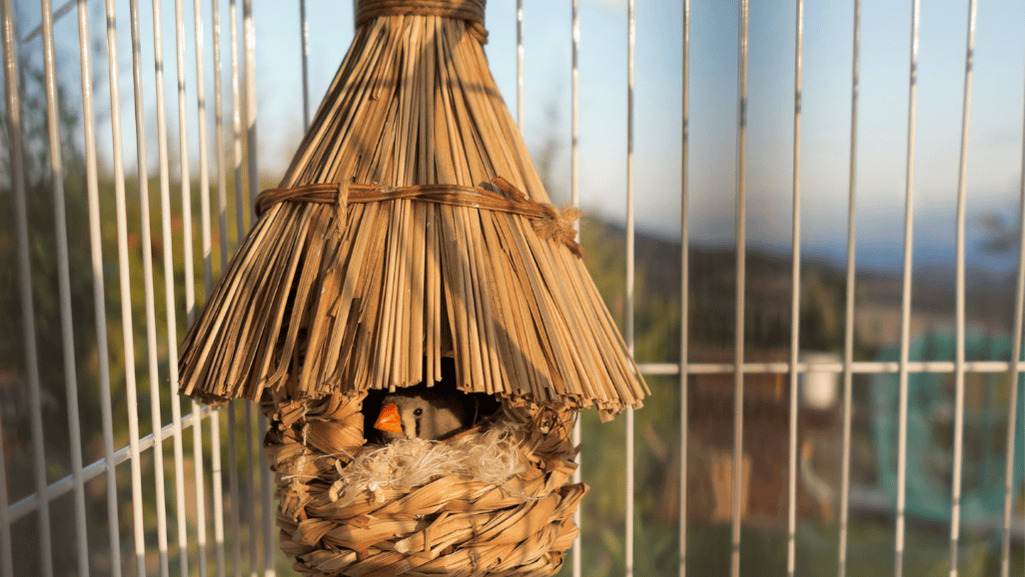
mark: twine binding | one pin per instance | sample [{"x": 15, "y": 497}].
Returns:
[
  {"x": 501, "y": 196},
  {"x": 472, "y": 11}
]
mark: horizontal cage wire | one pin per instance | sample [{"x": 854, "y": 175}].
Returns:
[{"x": 807, "y": 220}]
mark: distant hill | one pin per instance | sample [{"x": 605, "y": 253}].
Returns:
[{"x": 989, "y": 302}]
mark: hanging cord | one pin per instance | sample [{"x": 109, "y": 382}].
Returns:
[
  {"x": 472, "y": 11},
  {"x": 501, "y": 196}
]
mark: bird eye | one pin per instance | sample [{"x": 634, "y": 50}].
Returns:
[{"x": 418, "y": 412}]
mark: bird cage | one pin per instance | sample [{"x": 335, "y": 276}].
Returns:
[{"x": 410, "y": 239}]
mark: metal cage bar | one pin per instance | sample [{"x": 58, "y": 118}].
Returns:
[
  {"x": 304, "y": 36},
  {"x": 64, "y": 284},
  {"x": 684, "y": 281},
  {"x": 519, "y": 65},
  {"x": 220, "y": 103},
  {"x": 959, "y": 374},
  {"x": 233, "y": 488},
  {"x": 795, "y": 294},
  {"x": 848, "y": 354},
  {"x": 99, "y": 303},
  {"x": 14, "y": 122},
  {"x": 266, "y": 500},
  {"x": 240, "y": 214},
  {"x": 738, "y": 333},
  {"x": 905, "y": 331},
  {"x": 7, "y": 561},
  {"x": 577, "y": 559},
  {"x": 190, "y": 297},
  {"x": 125, "y": 283},
  {"x": 164, "y": 180},
  {"x": 1014, "y": 376},
  {"x": 206, "y": 244},
  {"x": 206, "y": 232},
  {"x": 857, "y": 367},
  {"x": 236, "y": 121},
  {"x": 631, "y": 250}
]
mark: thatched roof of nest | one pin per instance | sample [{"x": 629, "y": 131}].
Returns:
[{"x": 411, "y": 225}]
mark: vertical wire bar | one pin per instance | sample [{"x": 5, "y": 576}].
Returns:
[
  {"x": 205, "y": 226},
  {"x": 199, "y": 478},
  {"x": 741, "y": 240},
  {"x": 249, "y": 38},
  {"x": 128, "y": 331},
  {"x": 6, "y": 552},
  {"x": 684, "y": 284},
  {"x": 222, "y": 224},
  {"x": 215, "y": 474},
  {"x": 630, "y": 280},
  {"x": 240, "y": 225},
  {"x": 99, "y": 291},
  {"x": 236, "y": 113},
  {"x": 848, "y": 377},
  {"x": 304, "y": 38},
  {"x": 181, "y": 516},
  {"x": 574, "y": 193},
  {"x": 64, "y": 287},
  {"x": 519, "y": 65},
  {"x": 233, "y": 491},
  {"x": 222, "y": 163},
  {"x": 795, "y": 296},
  {"x": 266, "y": 497},
  {"x": 158, "y": 460},
  {"x": 14, "y": 125},
  {"x": 909, "y": 220},
  {"x": 1013, "y": 375},
  {"x": 959, "y": 359},
  {"x": 204, "y": 153},
  {"x": 250, "y": 468},
  {"x": 791, "y": 523},
  {"x": 267, "y": 500},
  {"x": 186, "y": 175},
  {"x": 146, "y": 235}
]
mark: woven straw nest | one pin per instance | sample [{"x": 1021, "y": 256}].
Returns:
[
  {"x": 412, "y": 227},
  {"x": 452, "y": 524}
]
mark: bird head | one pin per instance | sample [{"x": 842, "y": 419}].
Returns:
[{"x": 424, "y": 413}]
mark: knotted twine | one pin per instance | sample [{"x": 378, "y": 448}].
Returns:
[
  {"x": 472, "y": 11},
  {"x": 548, "y": 221}
]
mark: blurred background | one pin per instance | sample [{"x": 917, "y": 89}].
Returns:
[{"x": 992, "y": 251}]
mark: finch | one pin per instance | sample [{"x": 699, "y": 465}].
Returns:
[{"x": 421, "y": 412}]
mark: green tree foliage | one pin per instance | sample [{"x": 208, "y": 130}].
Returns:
[{"x": 43, "y": 268}]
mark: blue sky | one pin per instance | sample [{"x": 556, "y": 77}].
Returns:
[
  {"x": 994, "y": 160},
  {"x": 995, "y": 145}
]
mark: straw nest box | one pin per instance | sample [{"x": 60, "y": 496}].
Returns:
[{"x": 411, "y": 242}]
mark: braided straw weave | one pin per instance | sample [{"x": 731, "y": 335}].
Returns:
[{"x": 449, "y": 526}]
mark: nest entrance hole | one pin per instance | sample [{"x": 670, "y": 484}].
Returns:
[{"x": 479, "y": 408}]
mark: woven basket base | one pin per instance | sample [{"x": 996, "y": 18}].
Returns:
[{"x": 450, "y": 526}]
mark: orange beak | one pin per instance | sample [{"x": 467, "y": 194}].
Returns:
[{"x": 389, "y": 420}]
